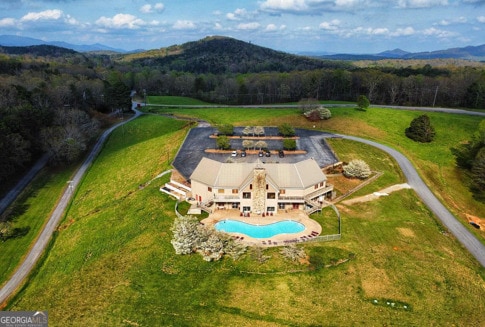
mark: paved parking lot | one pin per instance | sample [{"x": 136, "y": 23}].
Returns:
[{"x": 198, "y": 140}]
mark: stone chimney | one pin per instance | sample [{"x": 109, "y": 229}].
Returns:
[{"x": 259, "y": 190}]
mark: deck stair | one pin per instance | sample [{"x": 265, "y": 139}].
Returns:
[{"x": 175, "y": 189}]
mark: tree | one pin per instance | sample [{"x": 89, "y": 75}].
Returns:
[
  {"x": 259, "y": 130},
  {"x": 223, "y": 142},
  {"x": 289, "y": 144},
  {"x": 421, "y": 130},
  {"x": 362, "y": 102},
  {"x": 248, "y": 130},
  {"x": 5, "y": 230},
  {"x": 261, "y": 145},
  {"x": 320, "y": 113},
  {"x": 186, "y": 234},
  {"x": 247, "y": 144},
  {"x": 478, "y": 175},
  {"x": 226, "y": 129},
  {"x": 286, "y": 130},
  {"x": 357, "y": 169},
  {"x": 466, "y": 153}
]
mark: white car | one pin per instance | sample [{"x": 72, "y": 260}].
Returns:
[{"x": 234, "y": 154}]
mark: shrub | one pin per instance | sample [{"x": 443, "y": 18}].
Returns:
[
  {"x": 223, "y": 142},
  {"x": 293, "y": 253},
  {"x": 421, "y": 130},
  {"x": 357, "y": 169},
  {"x": 286, "y": 130},
  {"x": 320, "y": 113},
  {"x": 289, "y": 144},
  {"x": 226, "y": 129},
  {"x": 362, "y": 102}
]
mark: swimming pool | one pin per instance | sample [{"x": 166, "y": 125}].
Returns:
[{"x": 260, "y": 231}]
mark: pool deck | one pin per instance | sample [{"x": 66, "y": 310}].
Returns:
[{"x": 312, "y": 228}]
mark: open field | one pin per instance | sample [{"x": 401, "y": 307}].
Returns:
[
  {"x": 112, "y": 263},
  {"x": 433, "y": 161}
]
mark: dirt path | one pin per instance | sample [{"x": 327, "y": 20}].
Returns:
[{"x": 376, "y": 195}]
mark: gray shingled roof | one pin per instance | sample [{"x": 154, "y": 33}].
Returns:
[{"x": 302, "y": 174}]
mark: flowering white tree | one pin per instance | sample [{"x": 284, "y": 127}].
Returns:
[{"x": 357, "y": 169}]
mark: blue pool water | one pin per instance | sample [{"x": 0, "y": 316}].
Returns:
[{"x": 260, "y": 231}]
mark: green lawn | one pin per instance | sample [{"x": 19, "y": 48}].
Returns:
[
  {"x": 112, "y": 263},
  {"x": 28, "y": 215}
]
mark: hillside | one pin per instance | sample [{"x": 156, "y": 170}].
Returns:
[
  {"x": 38, "y": 50},
  {"x": 218, "y": 55}
]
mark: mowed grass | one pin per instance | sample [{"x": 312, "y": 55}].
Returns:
[
  {"x": 434, "y": 161},
  {"x": 174, "y": 100},
  {"x": 28, "y": 214},
  {"x": 112, "y": 263}
]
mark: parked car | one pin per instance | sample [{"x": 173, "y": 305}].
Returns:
[
  {"x": 267, "y": 154},
  {"x": 261, "y": 154},
  {"x": 234, "y": 154},
  {"x": 281, "y": 154},
  {"x": 243, "y": 153}
]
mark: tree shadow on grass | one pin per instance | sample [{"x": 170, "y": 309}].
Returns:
[{"x": 17, "y": 232}]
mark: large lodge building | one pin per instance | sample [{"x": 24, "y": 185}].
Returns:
[{"x": 260, "y": 188}]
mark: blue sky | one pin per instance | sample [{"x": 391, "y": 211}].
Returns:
[{"x": 350, "y": 26}]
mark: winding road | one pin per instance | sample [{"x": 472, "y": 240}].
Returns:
[
  {"x": 43, "y": 240},
  {"x": 474, "y": 246}
]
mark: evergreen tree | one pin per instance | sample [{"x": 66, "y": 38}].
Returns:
[
  {"x": 421, "y": 130},
  {"x": 478, "y": 175},
  {"x": 362, "y": 102}
]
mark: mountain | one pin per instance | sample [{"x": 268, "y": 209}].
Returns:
[
  {"x": 21, "y": 41},
  {"x": 41, "y": 50},
  {"x": 476, "y": 53},
  {"x": 218, "y": 54}
]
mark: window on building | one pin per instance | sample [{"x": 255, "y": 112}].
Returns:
[
  {"x": 270, "y": 209},
  {"x": 235, "y": 191},
  {"x": 246, "y": 195},
  {"x": 316, "y": 186},
  {"x": 281, "y": 206},
  {"x": 321, "y": 184},
  {"x": 221, "y": 190},
  {"x": 282, "y": 191},
  {"x": 250, "y": 186},
  {"x": 209, "y": 189},
  {"x": 235, "y": 205},
  {"x": 267, "y": 186},
  {"x": 246, "y": 209},
  {"x": 271, "y": 195}
]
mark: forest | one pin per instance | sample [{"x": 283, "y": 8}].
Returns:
[{"x": 55, "y": 101}]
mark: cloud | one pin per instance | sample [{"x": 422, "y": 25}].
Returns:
[
  {"x": 314, "y": 7},
  {"x": 53, "y": 14},
  {"x": 478, "y": 2},
  {"x": 147, "y": 9},
  {"x": 421, "y": 3},
  {"x": 184, "y": 25},
  {"x": 274, "y": 28},
  {"x": 438, "y": 33},
  {"x": 7, "y": 22},
  {"x": 481, "y": 19},
  {"x": 248, "y": 26},
  {"x": 120, "y": 21},
  {"x": 330, "y": 26}
]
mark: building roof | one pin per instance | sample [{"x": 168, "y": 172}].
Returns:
[{"x": 298, "y": 175}]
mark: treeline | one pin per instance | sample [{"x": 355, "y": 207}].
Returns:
[
  {"x": 54, "y": 105},
  {"x": 421, "y": 86}
]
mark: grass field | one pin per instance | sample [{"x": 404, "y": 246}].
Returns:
[
  {"x": 112, "y": 263},
  {"x": 434, "y": 161}
]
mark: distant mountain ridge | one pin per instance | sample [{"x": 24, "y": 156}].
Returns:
[
  {"x": 476, "y": 53},
  {"x": 22, "y": 41}
]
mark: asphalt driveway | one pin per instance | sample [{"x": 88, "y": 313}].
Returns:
[{"x": 198, "y": 139}]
